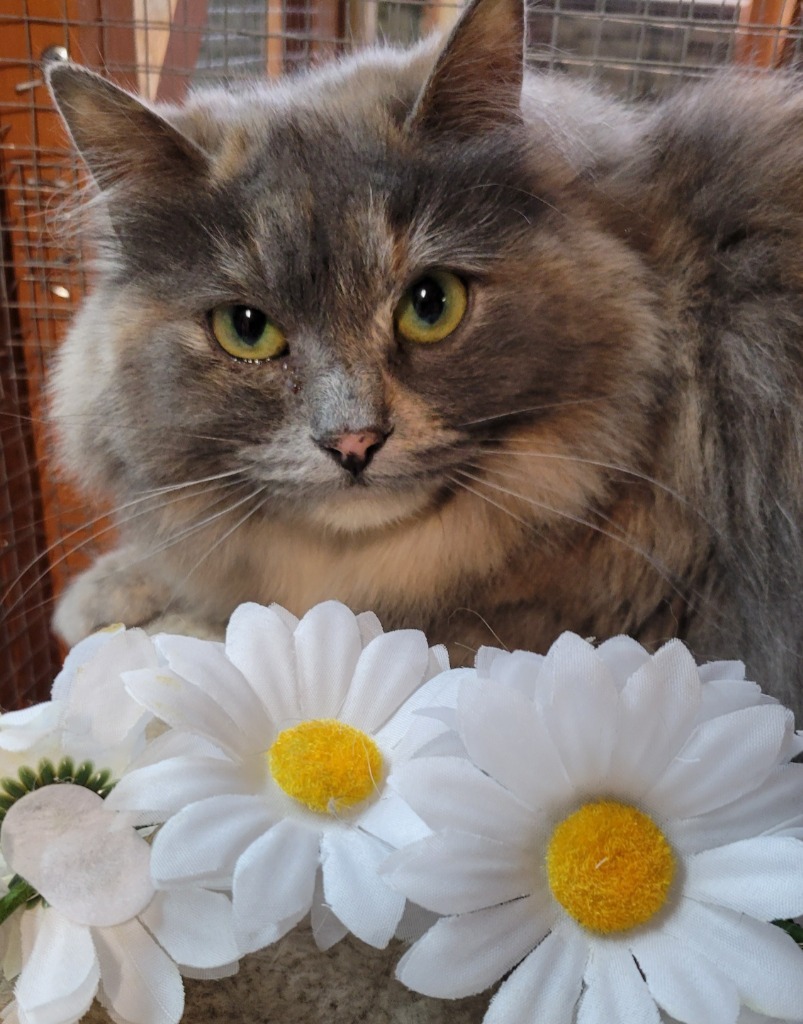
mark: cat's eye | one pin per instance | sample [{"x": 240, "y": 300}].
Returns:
[
  {"x": 247, "y": 333},
  {"x": 432, "y": 307}
]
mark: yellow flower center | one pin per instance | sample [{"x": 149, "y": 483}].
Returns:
[
  {"x": 609, "y": 866},
  {"x": 326, "y": 765}
]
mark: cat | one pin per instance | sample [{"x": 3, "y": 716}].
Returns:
[{"x": 482, "y": 350}]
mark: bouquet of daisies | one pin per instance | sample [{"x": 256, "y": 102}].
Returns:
[{"x": 614, "y": 833}]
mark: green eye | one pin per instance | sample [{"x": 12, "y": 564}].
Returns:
[
  {"x": 432, "y": 307},
  {"x": 247, "y": 333}
]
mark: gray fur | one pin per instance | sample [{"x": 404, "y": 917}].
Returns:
[{"x": 610, "y": 441}]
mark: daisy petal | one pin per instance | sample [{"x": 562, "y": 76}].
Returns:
[
  {"x": 166, "y": 787},
  {"x": 203, "y": 841},
  {"x": 388, "y": 671},
  {"x": 353, "y": 889},
  {"x": 274, "y": 878},
  {"x": 460, "y": 956},
  {"x": 183, "y": 706},
  {"x": 770, "y": 808},
  {"x": 392, "y": 820},
  {"x": 451, "y": 792},
  {"x": 623, "y": 656},
  {"x": 765, "y": 963},
  {"x": 207, "y": 667},
  {"x": 504, "y": 733},
  {"x": 615, "y": 989},
  {"x": 194, "y": 927},
  {"x": 575, "y": 677},
  {"x": 328, "y": 644},
  {"x": 260, "y": 643},
  {"x": 456, "y": 873},
  {"x": 658, "y": 705},
  {"x": 760, "y": 877},
  {"x": 684, "y": 982},
  {"x": 370, "y": 627},
  {"x": 60, "y": 976},
  {"x": 546, "y": 986},
  {"x": 139, "y": 982},
  {"x": 65, "y": 843},
  {"x": 724, "y": 758},
  {"x": 327, "y": 930}
]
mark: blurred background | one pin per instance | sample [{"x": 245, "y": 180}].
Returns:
[{"x": 161, "y": 48}]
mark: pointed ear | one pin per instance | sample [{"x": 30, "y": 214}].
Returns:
[
  {"x": 477, "y": 79},
  {"x": 119, "y": 138}
]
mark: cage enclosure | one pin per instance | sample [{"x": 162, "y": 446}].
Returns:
[{"x": 162, "y": 48}]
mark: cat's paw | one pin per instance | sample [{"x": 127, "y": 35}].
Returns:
[{"x": 117, "y": 588}]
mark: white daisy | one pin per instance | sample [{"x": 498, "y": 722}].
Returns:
[
  {"x": 618, "y": 837},
  {"x": 80, "y": 911},
  {"x": 274, "y": 770}
]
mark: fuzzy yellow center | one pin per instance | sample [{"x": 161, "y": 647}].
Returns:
[
  {"x": 326, "y": 765},
  {"x": 610, "y": 866}
]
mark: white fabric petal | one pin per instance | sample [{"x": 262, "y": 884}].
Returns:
[
  {"x": 724, "y": 758},
  {"x": 762, "y": 877},
  {"x": 615, "y": 990},
  {"x": 392, "y": 820},
  {"x": 506, "y": 737},
  {"x": 274, "y": 879},
  {"x": 683, "y": 982},
  {"x": 164, "y": 788},
  {"x": 462, "y": 955},
  {"x": 60, "y": 976},
  {"x": 327, "y": 929},
  {"x": 520, "y": 670},
  {"x": 184, "y": 706},
  {"x": 21, "y": 730},
  {"x": 352, "y": 887},
  {"x": 582, "y": 712},
  {"x": 195, "y": 927},
  {"x": 423, "y": 716},
  {"x": 369, "y": 626},
  {"x": 204, "y": 664},
  {"x": 765, "y": 963},
  {"x": 624, "y": 657},
  {"x": 773, "y": 806},
  {"x": 65, "y": 843},
  {"x": 451, "y": 792},
  {"x": 139, "y": 982},
  {"x": 388, "y": 671},
  {"x": 202, "y": 843},
  {"x": 658, "y": 705},
  {"x": 176, "y": 743},
  {"x": 260, "y": 643},
  {"x": 456, "y": 872},
  {"x": 328, "y": 644},
  {"x": 98, "y": 705},
  {"x": 79, "y": 655},
  {"x": 545, "y": 987}
]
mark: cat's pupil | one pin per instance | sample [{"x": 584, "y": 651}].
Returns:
[
  {"x": 429, "y": 300},
  {"x": 249, "y": 323}
]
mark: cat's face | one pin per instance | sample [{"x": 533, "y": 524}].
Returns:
[{"x": 345, "y": 303}]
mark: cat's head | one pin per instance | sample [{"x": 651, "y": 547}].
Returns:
[{"x": 344, "y": 293}]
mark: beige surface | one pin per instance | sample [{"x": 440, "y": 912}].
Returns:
[{"x": 294, "y": 983}]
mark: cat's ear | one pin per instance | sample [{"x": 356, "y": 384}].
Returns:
[
  {"x": 119, "y": 138},
  {"x": 477, "y": 79}
]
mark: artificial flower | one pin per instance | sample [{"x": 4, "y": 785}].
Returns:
[
  {"x": 80, "y": 914},
  {"x": 273, "y": 776},
  {"x": 618, "y": 834}
]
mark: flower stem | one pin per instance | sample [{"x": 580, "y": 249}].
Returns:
[
  {"x": 793, "y": 929},
  {"x": 19, "y": 893}
]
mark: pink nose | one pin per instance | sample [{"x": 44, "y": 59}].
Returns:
[{"x": 354, "y": 450}]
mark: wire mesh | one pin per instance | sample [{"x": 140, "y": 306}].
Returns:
[{"x": 160, "y": 47}]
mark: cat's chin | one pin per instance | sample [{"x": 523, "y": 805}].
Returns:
[{"x": 360, "y": 509}]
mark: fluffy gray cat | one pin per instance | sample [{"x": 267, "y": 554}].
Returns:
[{"x": 473, "y": 348}]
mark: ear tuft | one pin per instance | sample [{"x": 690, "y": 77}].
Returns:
[
  {"x": 119, "y": 138},
  {"x": 476, "y": 83}
]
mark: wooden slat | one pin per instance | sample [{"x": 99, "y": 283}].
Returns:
[{"x": 763, "y": 31}]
